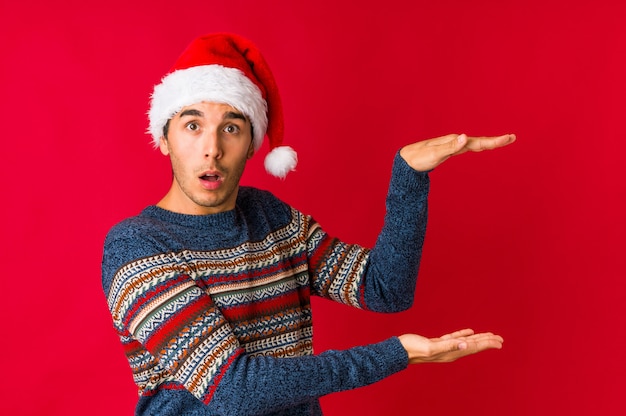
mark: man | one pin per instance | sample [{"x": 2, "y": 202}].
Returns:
[{"x": 210, "y": 289}]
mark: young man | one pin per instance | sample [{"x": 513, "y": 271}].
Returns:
[{"x": 210, "y": 288}]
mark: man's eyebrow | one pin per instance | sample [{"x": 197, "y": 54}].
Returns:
[
  {"x": 231, "y": 114},
  {"x": 191, "y": 112}
]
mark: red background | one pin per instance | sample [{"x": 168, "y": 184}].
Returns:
[{"x": 526, "y": 241}]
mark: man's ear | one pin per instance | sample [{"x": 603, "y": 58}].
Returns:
[{"x": 163, "y": 145}]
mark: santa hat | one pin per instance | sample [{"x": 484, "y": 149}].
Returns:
[{"x": 227, "y": 69}]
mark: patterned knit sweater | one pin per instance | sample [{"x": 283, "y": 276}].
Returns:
[{"x": 214, "y": 311}]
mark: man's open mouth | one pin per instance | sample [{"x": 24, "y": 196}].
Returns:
[{"x": 210, "y": 178}]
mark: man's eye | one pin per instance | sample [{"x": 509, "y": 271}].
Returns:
[
  {"x": 231, "y": 129},
  {"x": 192, "y": 126}
]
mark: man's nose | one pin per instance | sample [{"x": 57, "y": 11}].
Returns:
[{"x": 212, "y": 146}]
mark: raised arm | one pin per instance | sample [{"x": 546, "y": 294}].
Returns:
[
  {"x": 394, "y": 261},
  {"x": 384, "y": 278}
]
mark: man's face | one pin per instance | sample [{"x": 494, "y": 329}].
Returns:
[{"x": 208, "y": 145}]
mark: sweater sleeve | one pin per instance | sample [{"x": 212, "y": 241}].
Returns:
[
  {"x": 391, "y": 275},
  {"x": 381, "y": 279},
  {"x": 170, "y": 315}
]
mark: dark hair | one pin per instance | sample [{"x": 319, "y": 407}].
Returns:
[{"x": 166, "y": 128}]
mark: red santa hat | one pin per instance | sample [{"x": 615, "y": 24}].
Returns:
[{"x": 227, "y": 69}]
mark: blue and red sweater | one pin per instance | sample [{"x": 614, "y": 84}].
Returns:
[{"x": 214, "y": 311}]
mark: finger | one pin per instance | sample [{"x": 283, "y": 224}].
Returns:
[
  {"x": 478, "y": 144},
  {"x": 460, "y": 333},
  {"x": 484, "y": 343},
  {"x": 484, "y": 336}
]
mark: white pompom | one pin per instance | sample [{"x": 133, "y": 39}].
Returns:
[{"x": 280, "y": 161}]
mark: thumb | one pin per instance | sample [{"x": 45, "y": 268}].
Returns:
[
  {"x": 460, "y": 142},
  {"x": 452, "y": 345},
  {"x": 452, "y": 146}
]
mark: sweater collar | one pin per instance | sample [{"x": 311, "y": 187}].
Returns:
[{"x": 221, "y": 219}]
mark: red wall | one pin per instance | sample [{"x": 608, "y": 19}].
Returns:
[{"x": 526, "y": 241}]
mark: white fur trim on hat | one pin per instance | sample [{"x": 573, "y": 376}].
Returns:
[{"x": 212, "y": 83}]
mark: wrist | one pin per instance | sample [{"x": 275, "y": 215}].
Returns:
[{"x": 404, "y": 341}]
